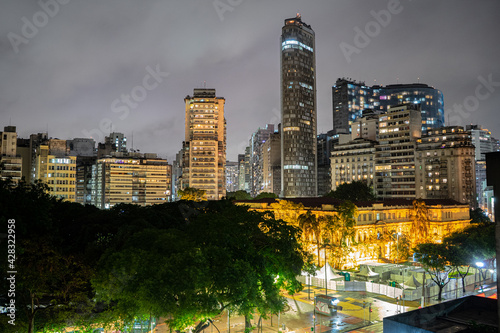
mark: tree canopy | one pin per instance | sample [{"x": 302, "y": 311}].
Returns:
[
  {"x": 185, "y": 260},
  {"x": 354, "y": 191},
  {"x": 193, "y": 194}
]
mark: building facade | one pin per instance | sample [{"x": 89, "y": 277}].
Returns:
[
  {"x": 232, "y": 176},
  {"x": 271, "y": 157},
  {"x": 350, "y": 98},
  {"x": 376, "y": 223},
  {"x": 256, "y": 144},
  {"x": 57, "y": 169},
  {"x": 445, "y": 165},
  {"x": 353, "y": 161},
  {"x": 298, "y": 109},
  {"x": 399, "y": 129},
  {"x": 131, "y": 178},
  {"x": 11, "y": 164},
  {"x": 484, "y": 143},
  {"x": 204, "y": 146}
]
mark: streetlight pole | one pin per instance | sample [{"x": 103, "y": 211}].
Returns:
[
  {"x": 479, "y": 265},
  {"x": 326, "y": 281},
  {"x": 314, "y": 314}
]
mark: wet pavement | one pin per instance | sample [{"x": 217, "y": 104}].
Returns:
[{"x": 355, "y": 315}]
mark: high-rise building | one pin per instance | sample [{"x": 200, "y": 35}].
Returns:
[
  {"x": 256, "y": 163},
  {"x": 351, "y": 97},
  {"x": 10, "y": 162},
  {"x": 399, "y": 129},
  {"x": 241, "y": 172},
  {"x": 133, "y": 178},
  {"x": 484, "y": 143},
  {"x": 204, "y": 146},
  {"x": 36, "y": 140},
  {"x": 176, "y": 174},
  {"x": 232, "y": 176},
  {"x": 324, "y": 149},
  {"x": 298, "y": 110},
  {"x": 445, "y": 165},
  {"x": 56, "y": 168},
  {"x": 271, "y": 157}
]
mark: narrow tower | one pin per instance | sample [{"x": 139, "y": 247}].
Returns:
[{"x": 298, "y": 110}]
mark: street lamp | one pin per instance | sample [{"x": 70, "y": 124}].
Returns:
[
  {"x": 479, "y": 265},
  {"x": 397, "y": 246}
]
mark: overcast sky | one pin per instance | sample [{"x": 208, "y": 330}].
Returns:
[{"x": 65, "y": 66}]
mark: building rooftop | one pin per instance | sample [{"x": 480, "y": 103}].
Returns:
[
  {"x": 319, "y": 201},
  {"x": 460, "y": 315}
]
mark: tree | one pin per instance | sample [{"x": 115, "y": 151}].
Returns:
[
  {"x": 420, "y": 222},
  {"x": 434, "y": 258},
  {"x": 341, "y": 230},
  {"x": 478, "y": 216},
  {"x": 310, "y": 228},
  {"x": 287, "y": 210},
  {"x": 193, "y": 272},
  {"x": 355, "y": 191},
  {"x": 400, "y": 248},
  {"x": 476, "y": 243},
  {"x": 266, "y": 195},
  {"x": 193, "y": 194},
  {"x": 239, "y": 195}
]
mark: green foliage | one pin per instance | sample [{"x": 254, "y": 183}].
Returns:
[
  {"x": 340, "y": 232},
  {"x": 435, "y": 260},
  {"x": 238, "y": 195},
  {"x": 355, "y": 191},
  {"x": 188, "y": 261},
  {"x": 310, "y": 228},
  {"x": 477, "y": 216},
  {"x": 400, "y": 246},
  {"x": 193, "y": 194},
  {"x": 193, "y": 272},
  {"x": 420, "y": 222},
  {"x": 266, "y": 195}
]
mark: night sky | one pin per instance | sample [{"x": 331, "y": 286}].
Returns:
[{"x": 68, "y": 74}]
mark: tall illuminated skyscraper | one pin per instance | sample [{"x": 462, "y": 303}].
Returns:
[
  {"x": 298, "y": 110},
  {"x": 204, "y": 146}
]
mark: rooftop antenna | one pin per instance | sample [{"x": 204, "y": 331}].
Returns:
[
  {"x": 132, "y": 148},
  {"x": 204, "y": 84},
  {"x": 418, "y": 79},
  {"x": 397, "y": 80}
]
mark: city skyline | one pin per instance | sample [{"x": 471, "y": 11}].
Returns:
[{"x": 70, "y": 72}]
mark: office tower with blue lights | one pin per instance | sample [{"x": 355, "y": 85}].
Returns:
[
  {"x": 351, "y": 97},
  {"x": 298, "y": 110}
]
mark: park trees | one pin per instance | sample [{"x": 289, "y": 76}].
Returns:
[
  {"x": 420, "y": 222},
  {"x": 311, "y": 228},
  {"x": 194, "y": 194},
  {"x": 193, "y": 272},
  {"x": 355, "y": 191},
  {"x": 476, "y": 243},
  {"x": 435, "y": 261},
  {"x": 340, "y": 230}
]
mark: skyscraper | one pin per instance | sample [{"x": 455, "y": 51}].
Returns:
[
  {"x": 350, "y": 98},
  {"x": 298, "y": 110},
  {"x": 204, "y": 147}
]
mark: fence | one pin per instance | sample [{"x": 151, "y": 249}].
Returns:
[{"x": 383, "y": 289}]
